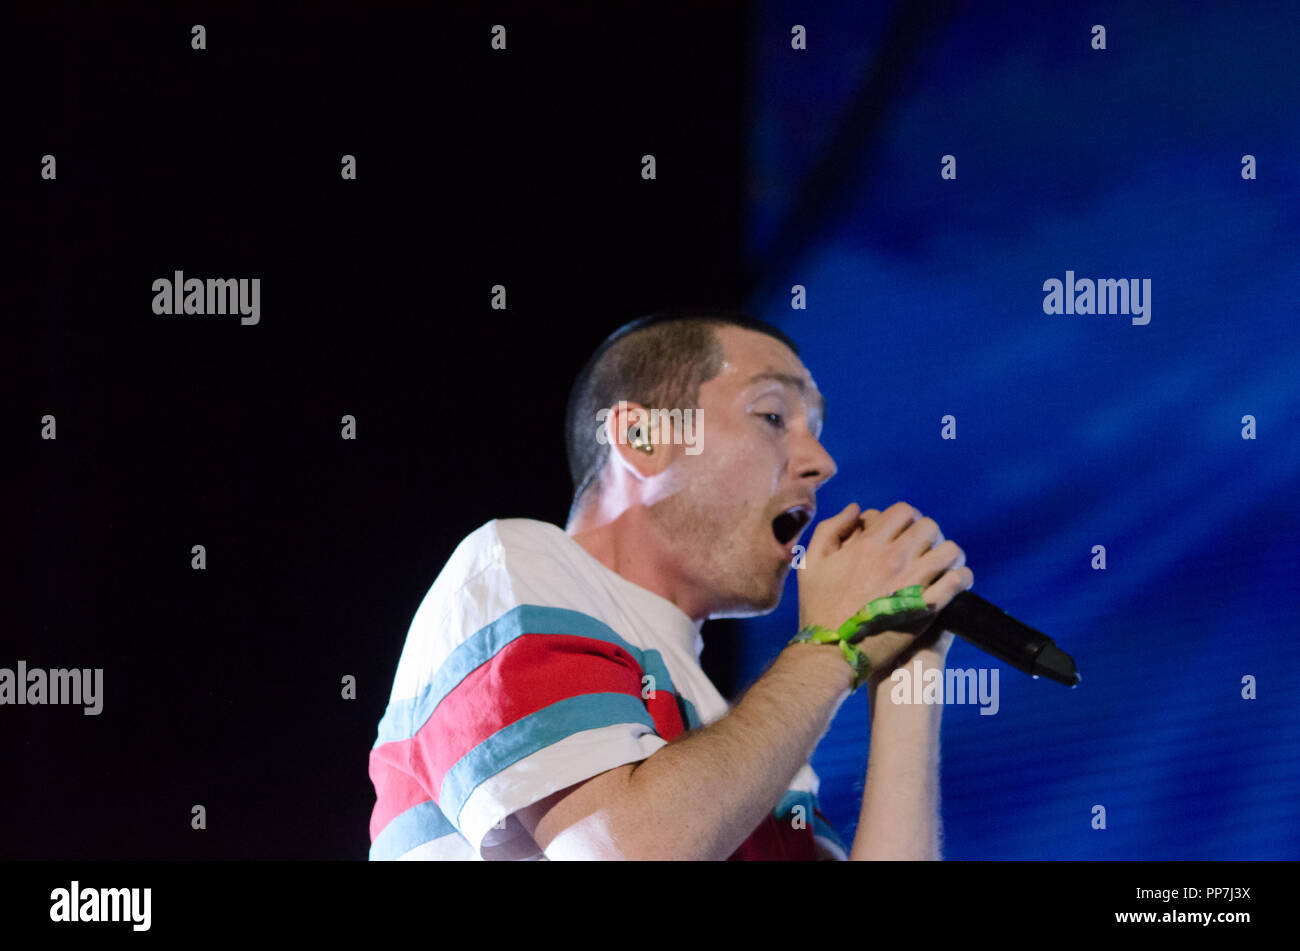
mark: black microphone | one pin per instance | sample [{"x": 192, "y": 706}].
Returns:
[{"x": 991, "y": 629}]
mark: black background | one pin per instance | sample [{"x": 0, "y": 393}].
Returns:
[{"x": 222, "y": 687}]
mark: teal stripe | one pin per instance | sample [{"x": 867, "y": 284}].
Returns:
[
  {"x": 818, "y": 825},
  {"x": 403, "y": 718},
  {"x": 827, "y": 831},
  {"x": 652, "y": 663},
  {"x": 534, "y": 732},
  {"x": 792, "y": 798},
  {"x": 693, "y": 721},
  {"x": 415, "y": 826}
]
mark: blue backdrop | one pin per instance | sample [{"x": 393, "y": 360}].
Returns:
[{"x": 925, "y": 299}]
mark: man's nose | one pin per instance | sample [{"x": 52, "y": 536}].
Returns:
[{"x": 815, "y": 462}]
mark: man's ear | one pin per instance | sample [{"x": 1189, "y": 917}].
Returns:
[{"x": 628, "y": 426}]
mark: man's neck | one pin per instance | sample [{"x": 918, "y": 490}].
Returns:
[{"x": 626, "y": 546}]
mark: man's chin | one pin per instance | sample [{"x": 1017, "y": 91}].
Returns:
[
  {"x": 756, "y": 603},
  {"x": 741, "y": 612}
]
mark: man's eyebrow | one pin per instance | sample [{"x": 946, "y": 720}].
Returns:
[{"x": 798, "y": 382}]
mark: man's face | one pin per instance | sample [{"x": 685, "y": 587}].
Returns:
[{"x": 759, "y": 457}]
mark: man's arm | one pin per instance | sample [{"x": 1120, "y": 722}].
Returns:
[
  {"x": 702, "y": 795},
  {"x": 900, "y": 804}
]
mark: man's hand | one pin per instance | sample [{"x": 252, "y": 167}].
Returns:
[
  {"x": 856, "y": 556},
  {"x": 704, "y": 793}
]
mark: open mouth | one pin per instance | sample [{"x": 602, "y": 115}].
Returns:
[{"x": 787, "y": 526}]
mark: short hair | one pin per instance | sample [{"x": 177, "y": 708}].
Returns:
[{"x": 659, "y": 360}]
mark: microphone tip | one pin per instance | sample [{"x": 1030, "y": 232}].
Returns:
[{"x": 1058, "y": 665}]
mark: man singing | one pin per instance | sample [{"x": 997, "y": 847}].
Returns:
[{"x": 549, "y": 701}]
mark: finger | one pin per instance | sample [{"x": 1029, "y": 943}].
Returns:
[
  {"x": 948, "y": 586},
  {"x": 893, "y": 521},
  {"x": 919, "y": 537},
  {"x": 865, "y": 521},
  {"x": 940, "y": 558},
  {"x": 831, "y": 532},
  {"x": 934, "y": 564},
  {"x": 859, "y": 527}
]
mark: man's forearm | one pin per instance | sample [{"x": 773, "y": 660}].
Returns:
[
  {"x": 900, "y": 804},
  {"x": 701, "y": 796}
]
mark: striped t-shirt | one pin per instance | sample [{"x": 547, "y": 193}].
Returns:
[{"x": 530, "y": 667}]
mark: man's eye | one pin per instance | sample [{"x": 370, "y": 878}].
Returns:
[{"x": 775, "y": 419}]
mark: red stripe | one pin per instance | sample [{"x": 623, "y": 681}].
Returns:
[
  {"x": 777, "y": 841},
  {"x": 530, "y": 673},
  {"x": 396, "y": 790},
  {"x": 666, "y": 714}
]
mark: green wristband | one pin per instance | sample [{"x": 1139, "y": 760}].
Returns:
[{"x": 882, "y": 614}]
